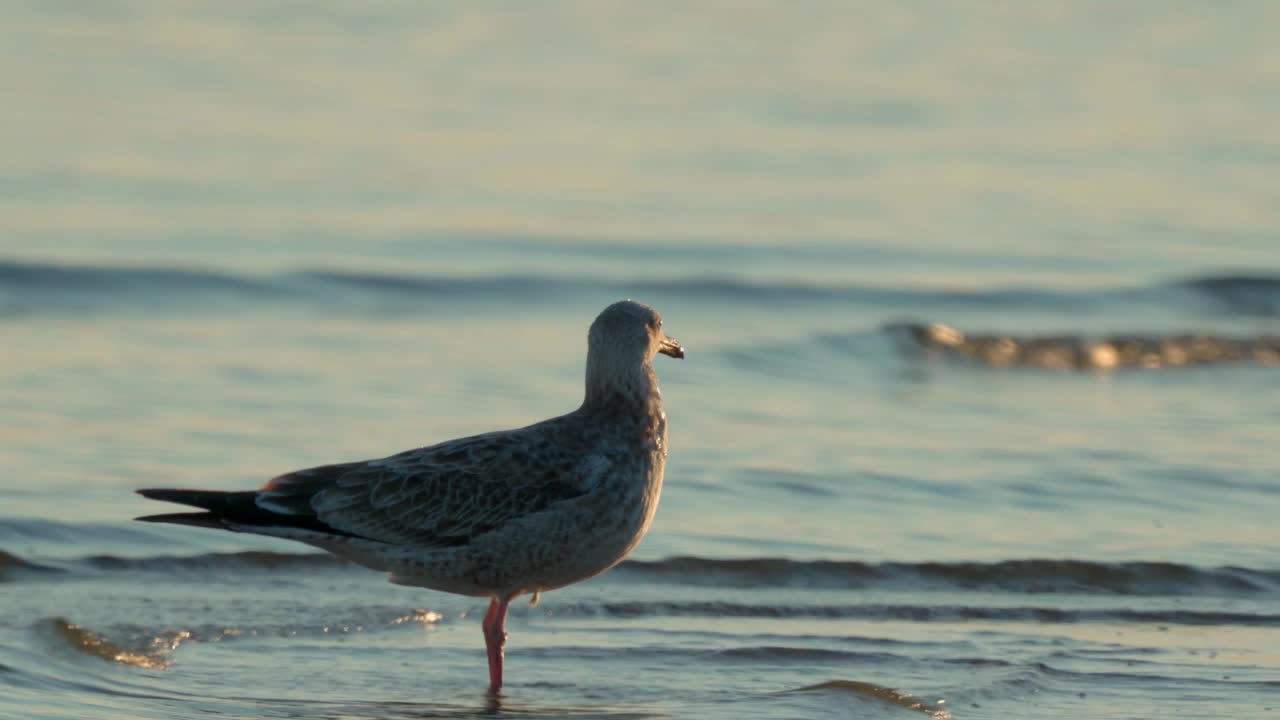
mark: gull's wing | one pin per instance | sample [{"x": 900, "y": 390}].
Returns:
[{"x": 442, "y": 495}]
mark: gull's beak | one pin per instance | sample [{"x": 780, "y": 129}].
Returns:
[{"x": 671, "y": 346}]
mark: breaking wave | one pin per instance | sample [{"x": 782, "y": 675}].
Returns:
[
  {"x": 31, "y": 287},
  {"x": 1021, "y": 576},
  {"x": 1082, "y": 352},
  {"x": 919, "y": 613},
  {"x": 1032, "y": 576},
  {"x": 13, "y": 567}
]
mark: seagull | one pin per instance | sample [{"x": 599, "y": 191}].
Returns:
[{"x": 497, "y": 515}]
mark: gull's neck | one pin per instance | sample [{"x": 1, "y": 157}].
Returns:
[{"x": 630, "y": 390}]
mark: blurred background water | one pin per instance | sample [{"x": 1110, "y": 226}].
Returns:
[{"x": 979, "y": 417}]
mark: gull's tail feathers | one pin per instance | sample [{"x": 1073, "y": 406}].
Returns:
[
  {"x": 234, "y": 511},
  {"x": 222, "y": 507}
]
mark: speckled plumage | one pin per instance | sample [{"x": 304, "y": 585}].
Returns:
[
  {"x": 500, "y": 514},
  {"x": 503, "y": 513}
]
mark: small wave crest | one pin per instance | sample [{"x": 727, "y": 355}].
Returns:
[
  {"x": 14, "y": 568},
  {"x": 1257, "y": 295},
  {"x": 144, "y": 651},
  {"x": 353, "y": 620},
  {"x": 239, "y": 561},
  {"x": 785, "y": 653},
  {"x": 880, "y": 693},
  {"x": 48, "y": 531}
]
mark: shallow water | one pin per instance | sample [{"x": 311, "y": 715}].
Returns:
[{"x": 894, "y": 240}]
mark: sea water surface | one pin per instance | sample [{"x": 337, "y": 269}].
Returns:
[{"x": 980, "y": 412}]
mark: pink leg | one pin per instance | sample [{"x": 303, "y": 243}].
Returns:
[{"x": 495, "y": 639}]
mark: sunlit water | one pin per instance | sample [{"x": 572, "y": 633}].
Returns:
[{"x": 237, "y": 240}]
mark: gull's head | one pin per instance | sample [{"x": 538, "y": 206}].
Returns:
[{"x": 629, "y": 332}]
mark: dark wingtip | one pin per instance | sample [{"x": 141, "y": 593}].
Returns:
[
  {"x": 159, "y": 493},
  {"x": 207, "y": 499}
]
